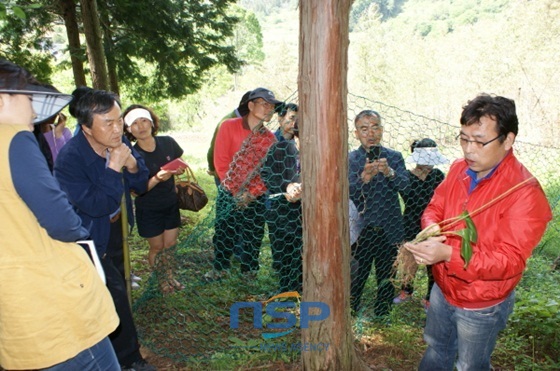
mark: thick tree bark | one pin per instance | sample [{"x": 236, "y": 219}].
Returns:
[
  {"x": 323, "y": 61},
  {"x": 68, "y": 11},
  {"x": 94, "y": 40}
]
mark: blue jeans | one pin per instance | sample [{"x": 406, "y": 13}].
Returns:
[
  {"x": 100, "y": 357},
  {"x": 469, "y": 334}
]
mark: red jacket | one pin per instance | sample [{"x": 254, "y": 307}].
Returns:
[
  {"x": 238, "y": 155},
  {"x": 508, "y": 231}
]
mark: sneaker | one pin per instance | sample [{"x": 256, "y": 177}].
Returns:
[
  {"x": 403, "y": 296},
  {"x": 140, "y": 365},
  {"x": 134, "y": 285},
  {"x": 214, "y": 275},
  {"x": 135, "y": 278},
  {"x": 426, "y": 304}
]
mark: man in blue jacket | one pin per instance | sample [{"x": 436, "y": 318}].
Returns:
[
  {"x": 376, "y": 175},
  {"x": 95, "y": 168}
]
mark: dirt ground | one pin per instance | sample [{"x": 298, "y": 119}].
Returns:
[{"x": 376, "y": 355}]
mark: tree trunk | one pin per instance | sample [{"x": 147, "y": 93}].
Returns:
[
  {"x": 323, "y": 61},
  {"x": 94, "y": 40},
  {"x": 109, "y": 50},
  {"x": 68, "y": 11}
]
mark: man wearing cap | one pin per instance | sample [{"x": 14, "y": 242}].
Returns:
[
  {"x": 56, "y": 311},
  {"x": 241, "y": 147},
  {"x": 376, "y": 175},
  {"x": 96, "y": 168},
  {"x": 240, "y": 111}
]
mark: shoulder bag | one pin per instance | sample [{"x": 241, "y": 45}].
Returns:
[{"x": 190, "y": 195}]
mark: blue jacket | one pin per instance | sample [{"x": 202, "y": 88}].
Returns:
[
  {"x": 378, "y": 200},
  {"x": 95, "y": 190}
]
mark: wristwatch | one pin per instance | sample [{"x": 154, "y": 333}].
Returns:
[{"x": 391, "y": 173}]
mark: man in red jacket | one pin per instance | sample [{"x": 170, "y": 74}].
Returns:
[
  {"x": 240, "y": 150},
  {"x": 473, "y": 298}
]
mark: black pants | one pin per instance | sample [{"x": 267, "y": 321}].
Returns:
[
  {"x": 233, "y": 224},
  {"x": 373, "y": 246},
  {"x": 124, "y": 338},
  {"x": 285, "y": 232}
]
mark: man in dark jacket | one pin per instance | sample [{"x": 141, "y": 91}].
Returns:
[
  {"x": 376, "y": 174},
  {"x": 96, "y": 168}
]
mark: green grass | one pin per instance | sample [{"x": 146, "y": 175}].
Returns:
[{"x": 191, "y": 328}]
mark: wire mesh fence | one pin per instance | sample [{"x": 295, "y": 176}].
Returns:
[{"x": 248, "y": 249}]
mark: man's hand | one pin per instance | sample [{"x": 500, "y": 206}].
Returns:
[
  {"x": 371, "y": 169},
  {"x": 293, "y": 192},
  {"x": 430, "y": 231},
  {"x": 244, "y": 199},
  {"x": 120, "y": 157},
  {"x": 431, "y": 251}
]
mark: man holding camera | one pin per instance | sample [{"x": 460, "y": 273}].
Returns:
[{"x": 376, "y": 176}]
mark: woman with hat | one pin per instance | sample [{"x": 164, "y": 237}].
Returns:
[
  {"x": 157, "y": 211},
  {"x": 424, "y": 179},
  {"x": 56, "y": 311}
]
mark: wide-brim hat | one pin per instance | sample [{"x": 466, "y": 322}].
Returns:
[
  {"x": 427, "y": 156},
  {"x": 46, "y": 101}
]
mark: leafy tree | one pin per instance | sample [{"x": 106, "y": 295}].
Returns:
[
  {"x": 158, "y": 48},
  {"x": 247, "y": 39},
  {"x": 23, "y": 29},
  {"x": 164, "y": 48}
]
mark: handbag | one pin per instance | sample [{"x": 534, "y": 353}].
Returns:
[{"x": 190, "y": 195}]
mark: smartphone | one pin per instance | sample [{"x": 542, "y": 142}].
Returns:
[{"x": 374, "y": 153}]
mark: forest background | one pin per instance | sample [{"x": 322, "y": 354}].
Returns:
[{"x": 428, "y": 57}]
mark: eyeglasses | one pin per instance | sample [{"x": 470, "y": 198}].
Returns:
[
  {"x": 265, "y": 104},
  {"x": 364, "y": 130},
  {"x": 464, "y": 142}
]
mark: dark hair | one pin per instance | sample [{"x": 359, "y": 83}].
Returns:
[
  {"x": 94, "y": 102},
  {"x": 367, "y": 113},
  {"x": 155, "y": 120},
  {"x": 76, "y": 95},
  {"x": 243, "y": 107},
  {"x": 14, "y": 77},
  {"x": 498, "y": 108},
  {"x": 296, "y": 129},
  {"x": 285, "y": 107},
  {"x": 422, "y": 143}
]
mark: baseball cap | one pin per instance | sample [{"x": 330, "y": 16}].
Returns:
[{"x": 265, "y": 94}]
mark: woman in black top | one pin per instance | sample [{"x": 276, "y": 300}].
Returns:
[{"x": 157, "y": 210}]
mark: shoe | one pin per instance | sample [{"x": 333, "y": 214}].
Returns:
[
  {"x": 140, "y": 365},
  {"x": 134, "y": 285},
  {"x": 214, "y": 275},
  {"x": 403, "y": 296},
  {"x": 135, "y": 278},
  {"x": 426, "y": 304}
]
